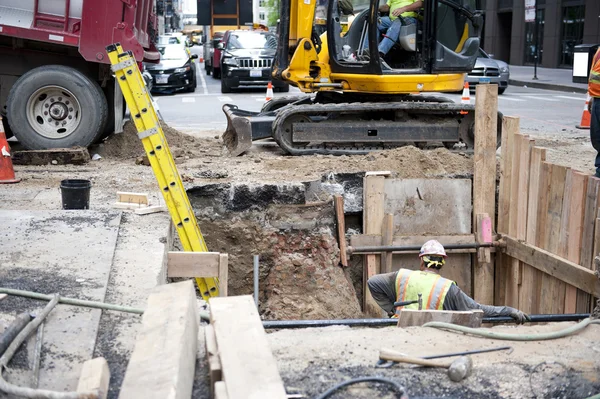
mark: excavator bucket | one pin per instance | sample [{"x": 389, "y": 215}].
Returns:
[{"x": 243, "y": 127}]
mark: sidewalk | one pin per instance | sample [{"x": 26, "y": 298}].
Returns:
[{"x": 548, "y": 78}]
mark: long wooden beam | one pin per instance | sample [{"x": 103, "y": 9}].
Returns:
[{"x": 567, "y": 271}]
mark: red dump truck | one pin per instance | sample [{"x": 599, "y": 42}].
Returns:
[{"x": 56, "y": 86}]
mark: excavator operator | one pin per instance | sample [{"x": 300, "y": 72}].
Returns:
[
  {"x": 401, "y": 13},
  {"x": 435, "y": 292}
]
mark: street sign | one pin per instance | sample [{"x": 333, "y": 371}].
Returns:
[{"x": 530, "y": 10}]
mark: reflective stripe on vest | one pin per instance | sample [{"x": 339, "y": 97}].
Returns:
[
  {"x": 594, "y": 80},
  {"x": 432, "y": 287}
]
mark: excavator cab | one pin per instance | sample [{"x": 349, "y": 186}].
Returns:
[{"x": 366, "y": 103}]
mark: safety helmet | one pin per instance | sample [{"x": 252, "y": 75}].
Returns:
[{"x": 432, "y": 247}]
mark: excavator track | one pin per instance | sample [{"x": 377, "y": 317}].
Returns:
[{"x": 357, "y": 128}]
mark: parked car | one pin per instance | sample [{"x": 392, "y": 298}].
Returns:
[
  {"x": 176, "y": 70},
  {"x": 212, "y": 55},
  {"x": 489, "y": 70},
  {"x": 247, "y": 60}
]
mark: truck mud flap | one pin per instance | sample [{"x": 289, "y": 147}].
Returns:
[{"x": 243, "y": 127}]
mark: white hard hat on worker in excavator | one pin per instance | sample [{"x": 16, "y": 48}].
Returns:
[{"x": 432, "y": 247}]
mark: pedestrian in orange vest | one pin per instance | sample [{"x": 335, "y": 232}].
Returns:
[{"x": 594, "y": 107}]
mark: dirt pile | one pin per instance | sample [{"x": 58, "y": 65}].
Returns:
[{"x": 128, "y": 145}]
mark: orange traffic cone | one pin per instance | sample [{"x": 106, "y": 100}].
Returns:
[
  {"x": 466, "y": 97},
  {"x": 201, "y": 59},
  {"x": 7, "y": 173},
  {"x": 269, "y": 92},
  {"x": 586, "y": 117}
]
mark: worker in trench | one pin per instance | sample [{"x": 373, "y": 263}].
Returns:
[{"x": 437, "y": 292}]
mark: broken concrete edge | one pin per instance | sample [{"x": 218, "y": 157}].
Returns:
[
  {"x": 163, "y": 361},
  {"x": 240, "y": 197}
]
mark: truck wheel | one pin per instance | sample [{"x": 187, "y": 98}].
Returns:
[{"x": 56, "y": 106}]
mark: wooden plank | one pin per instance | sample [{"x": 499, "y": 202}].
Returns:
[
  {"x": 128, "y": 205},
  {"x": 338, "y": 203},
  {"x": 192, "y": 264},
  {"x": 512, "y": 266},
  {"x": 541, "y": 230},
  {"x": 484, "y": 179},
  {"x": 554, "y": 265},
  {"x": 553, "y": 290},
  {"x": 507, "y": 151},
  {"x": 412, "y": 317},
  {"x": 522, "y": 207},
  {"x": 527, "y": 298},
  {"x": 163, "y": 361},
  {"x": 215, "y": 370},
  {"x": 575, "y": 190},
  {"x": 150, "y": 209},
  {"x": 483, "y": 235},
  {"x": 591, "y": 206},
  {"x": 249, "y": 368},
  {"x": 221, "y": 390},
  {"x": 223, "y": 274},
  {"x": 373, "y": 209},
  {"x": 132, "y": 198},
  {"x": 95, "y": 377},
  {"x": 387, "y": 234},
  {"x": 384, "y": 173},
  {"x": 54, "y": 156},
  {"x": 587, "y": 245}
]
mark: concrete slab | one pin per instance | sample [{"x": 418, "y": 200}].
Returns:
[
  {"x": 68, "y": 252},
  {"x": 432, "y": 207}
]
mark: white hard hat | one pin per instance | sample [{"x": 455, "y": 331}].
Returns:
[{"x": 432, "y": 247}]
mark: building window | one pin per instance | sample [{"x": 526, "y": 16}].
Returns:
[
  {"x": 530, "y": 39},
  {"x": 261, "y": 16},
  {"x": 262, "y": 3},
  {"x": 572, "y": 32}
]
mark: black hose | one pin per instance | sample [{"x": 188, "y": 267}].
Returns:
[
  {"x": 13, "y": 330},
  {"x": 396, "y": 386},
  {"x": 283, "y": 324}
]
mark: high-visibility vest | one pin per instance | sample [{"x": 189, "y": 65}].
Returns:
[
  {"x": 594, "y": 81},
  {"x": 432, "y": 287}
]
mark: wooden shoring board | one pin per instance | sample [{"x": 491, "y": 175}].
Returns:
[
  {"x": 553, "y": 265},
  {"x": 541, "y": 228},
  {"x": 587, "y": 238},
  {"x": 373, "y": 211},
  {"x": 249, "y": 369},
  {"x": 484, "y": 181},
  {"x": 530, "y": 275},
  {"x": 387, "y": 234},
  {"x": 502, "y": 261},
  {"x": 572, "y": 228},
  {"x": 552, "y": 293},
  {"x": 338, "y": 204},
  {"x": 512, "y": 266}
]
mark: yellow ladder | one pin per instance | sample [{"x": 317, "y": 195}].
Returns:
[{"x": 146, "y": 121}]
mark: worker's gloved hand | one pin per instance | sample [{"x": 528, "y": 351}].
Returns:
[{"x": 520, "y": 317}]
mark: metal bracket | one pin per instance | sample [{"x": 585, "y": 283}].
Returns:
[
  {"x": 122, "y": 65},
  {"x": 147, "y": 133}
]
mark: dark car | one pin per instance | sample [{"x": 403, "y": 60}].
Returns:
[
  {"x": 176, "y": 70},
  {"x": 247, "y": 60}
]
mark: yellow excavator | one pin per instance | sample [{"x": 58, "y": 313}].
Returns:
[{"x": 360, "y": 104}]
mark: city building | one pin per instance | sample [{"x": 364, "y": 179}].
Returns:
[
  {"x": 562, "y": 24},
  {"x": 260, "y": 11}
]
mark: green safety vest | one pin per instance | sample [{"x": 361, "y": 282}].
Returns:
[
  {"x": 401, "y": 3},
  {"x": 594, "y": 81},
  {"x": 432, "y": 287}
]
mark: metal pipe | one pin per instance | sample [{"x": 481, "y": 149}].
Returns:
[
  {"x": 284, "y": 324},
  {"x": 256, "y": 275},
  {"x": 408, "y": 248}
]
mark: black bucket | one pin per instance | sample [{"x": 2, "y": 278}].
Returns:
[{"x": 75, "y": 193}]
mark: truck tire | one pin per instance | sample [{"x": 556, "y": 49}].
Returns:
[{"x": 56, "y": 106}]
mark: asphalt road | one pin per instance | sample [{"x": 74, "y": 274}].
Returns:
[{"x": 542, "y": 112}]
